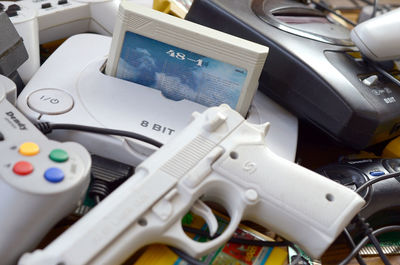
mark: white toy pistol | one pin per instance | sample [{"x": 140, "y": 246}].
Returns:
[{"x": 218, "y": 157}]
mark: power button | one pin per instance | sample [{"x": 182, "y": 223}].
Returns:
[{"x": 50, "y": 101}]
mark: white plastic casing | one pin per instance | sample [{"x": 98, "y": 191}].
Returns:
[
  {"x": 30, "y": 204},
  {"x": 379, "y": 38},
  {"x": 218, "y": 157},
  {"x": 38, "y": 25},
  {"x": 192, "y": 37},
  {"x": 73, "y": 72},
  {"x": 8, "y": 89}
]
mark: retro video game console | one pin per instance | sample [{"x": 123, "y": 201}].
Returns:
[
  {"x": 41, "y": 180},
  {"x": 310, "y": 68},
  {"x": 383, "y": 205},
  {"x": 70, "y": 87},
  {"x": 43, "y": 21}
]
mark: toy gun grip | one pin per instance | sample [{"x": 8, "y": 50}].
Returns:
[{"x": 298, "y": 204}]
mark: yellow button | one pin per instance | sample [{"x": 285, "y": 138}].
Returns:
[{"x": 29, "y": 149}]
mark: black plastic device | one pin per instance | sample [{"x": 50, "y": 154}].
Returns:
[
  {"x": 12, "y": 50},
  {"x": 311, "y": 69},
  {"x": 383, "y": 198}
]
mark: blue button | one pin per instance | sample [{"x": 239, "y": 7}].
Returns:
[
  {"x": 54, "y": 175},
  {"x": 376, "y": 173}
]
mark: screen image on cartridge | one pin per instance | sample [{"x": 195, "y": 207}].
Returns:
[{"x": 178, "y": 73}]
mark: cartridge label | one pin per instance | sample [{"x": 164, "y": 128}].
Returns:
[{"x": 178, "y": 73}]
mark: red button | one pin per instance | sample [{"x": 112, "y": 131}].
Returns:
[{"x": 23, "y": 168}]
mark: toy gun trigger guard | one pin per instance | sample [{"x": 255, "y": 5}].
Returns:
[
  {"x": 216, "y": 189},
  {"x": 197, "y": 249}
]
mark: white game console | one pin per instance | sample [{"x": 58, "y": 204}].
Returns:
[
  {"x": 70, "y": 87},
  {"x": 41, "y": 180},
  {"x": 39, "y": 22}
]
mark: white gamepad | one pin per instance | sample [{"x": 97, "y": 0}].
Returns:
[
  {"x": 39, "y": 22},
  {"x": 379, "y": 38},
  {"x": 70, "y": 88},
  {"x": 41, "y": 180}
]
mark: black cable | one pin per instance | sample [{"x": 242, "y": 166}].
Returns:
[
  {"x": 375, "y": 242},
  {"x": 368, "y": 231},
  {"x": 192, "y": 261},
  {"x": 374, "y": 4},
  {"x": 298, "y": 255},
  {"x": 365, "y": 240},
  {"x": 375, "y": 8},
  {"x": 353, "y": 245},
  {"x": 370, "y": 234},
  {"x": 186, "y": 257},
  {"x": 260, "y": 243},
  {"x": 46, "y": 127},
  {"x": 333, "y": 12},
  {"x": 367, "y": 2},
  {"x": 375, "y": 180},
  {"x": 237, "y": 240}
]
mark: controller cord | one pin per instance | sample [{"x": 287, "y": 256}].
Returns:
[
  {"x": 372, "y": 238},
  {"x": 370, "y": 234},
  {"x": 46, "y": 127},
  {"x": 375, "y": 180},
  {"x": 353, "y": 245},
  {"x": 189, "y": 259},
  {"x": 365, "y": 240},
  {"x": 327, "y": 8},
  {"x": 192, "y": 261}
]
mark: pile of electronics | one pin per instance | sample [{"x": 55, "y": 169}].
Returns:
[{"x": 140, "y": 117}]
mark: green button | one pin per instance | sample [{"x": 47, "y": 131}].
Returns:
[{"x": 58, "y": 155}]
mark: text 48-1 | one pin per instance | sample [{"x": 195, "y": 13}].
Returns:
[{"x": 182, "y": 56}]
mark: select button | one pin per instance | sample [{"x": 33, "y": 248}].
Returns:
[
  {"x": 14, "y": 7},
  {"x": 46, "y": 5}
]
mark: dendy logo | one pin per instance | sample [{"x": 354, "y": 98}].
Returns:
[{"x": 11, "y": 115}]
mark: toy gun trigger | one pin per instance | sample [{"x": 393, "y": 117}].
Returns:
[
  {"x": 201, "y": 209},
  {"x": 175, "y": 236}
]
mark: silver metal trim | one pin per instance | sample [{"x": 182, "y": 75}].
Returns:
[{"x": 257, "y": 7}]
